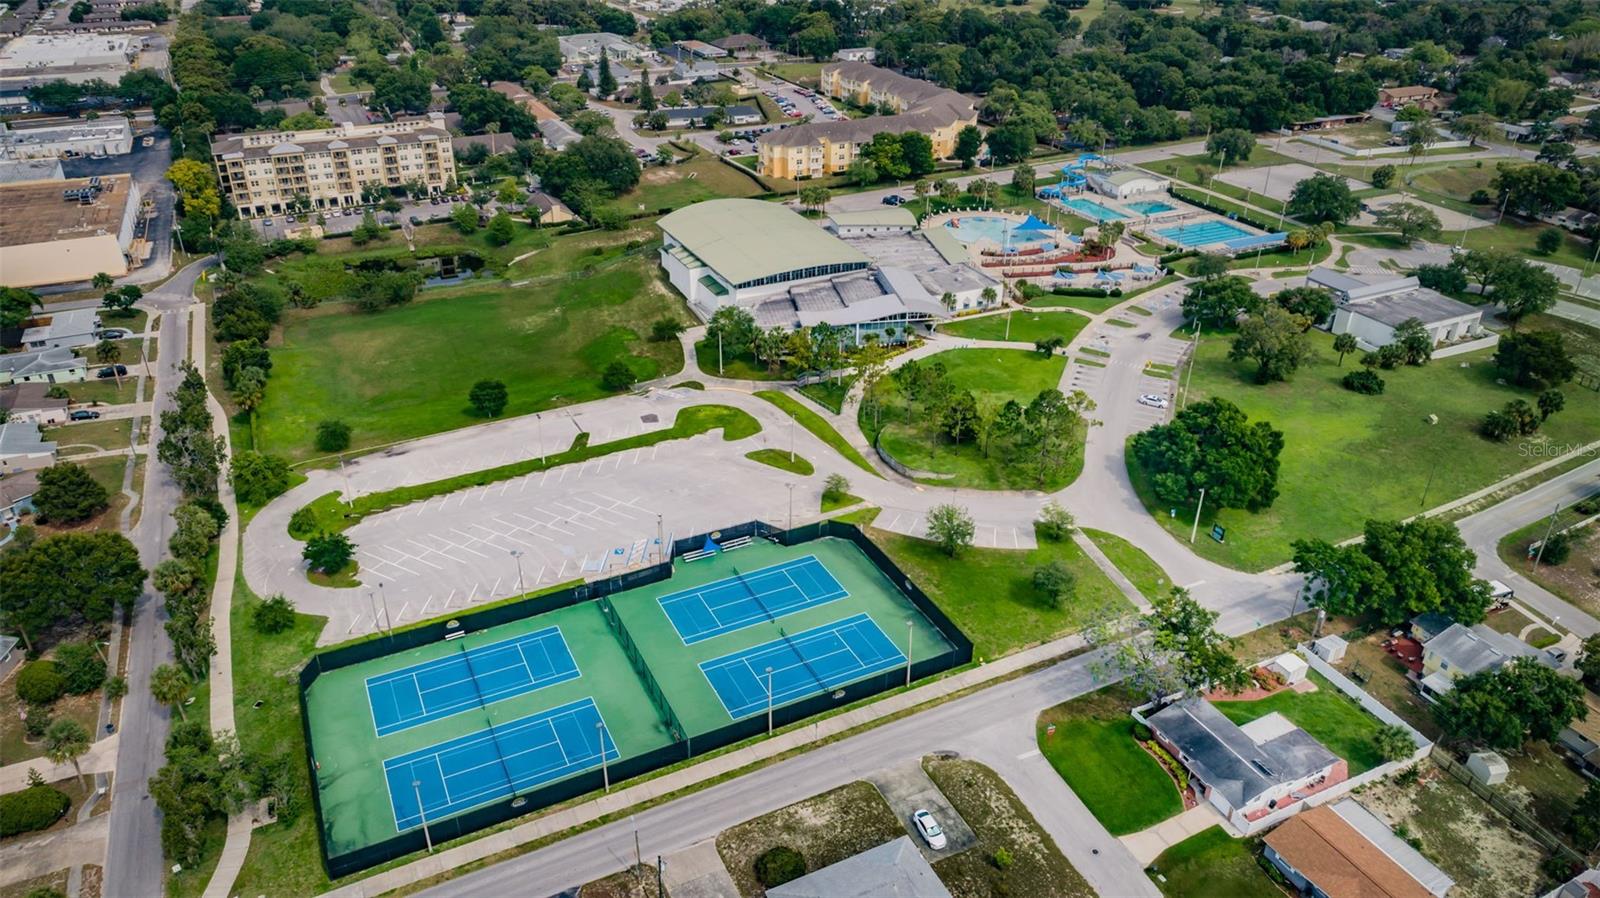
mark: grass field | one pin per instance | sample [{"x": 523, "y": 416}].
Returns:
[
  {"x": 405, "y": 372},
  {"x": 1093, "y": 750},
  {"x": 1327, "y": 714},
  {"x": 1213, "y": 864},
  {"x": 989, "y": 593},
  {"x": 664, "y": 188},
  {"x": 743, "y": 366},
  {"x": 86, "y": 436},
  {"x": 994, "y": 376},
  {"x": 1335, "y": 439},
  {"x": 1147, "y": 576},
  {"x": 798, "y": 72},
  {"x": 1025, "y": 327}
]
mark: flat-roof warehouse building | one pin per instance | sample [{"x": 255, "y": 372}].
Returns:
[{"x": 59, "y": 232}]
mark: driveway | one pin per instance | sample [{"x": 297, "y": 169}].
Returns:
[{"x": 907, "y": 789}]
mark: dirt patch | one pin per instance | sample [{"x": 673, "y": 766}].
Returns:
[
  {"x": 56, "y": 880},
  {"x": 93, "y": 881},
  {"x": 635, "y": 882},
  {"x": 1578, "y": 580},
  {"x": 1036, "y": 869},
  {"x": 825, "y": 829},
  {"x": 1469, "y": 840}
]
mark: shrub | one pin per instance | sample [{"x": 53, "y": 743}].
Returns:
[
  {"x": 1141, "y": 733},
  {"x": 46, "y": 891},
  {"x": 617, "y": 377},
  {"x": 273, "y": 615},
  {"x": 303, "y": 522},
  {"x": 333, "y": 436},
  {"x": 1001, "y": 859},
  {"x": 1557, "y": 549},
  {"x": 1366, "y": 382},
  {"x": 34, "y": 808},
  {"x": 328, "y": 553},
  {"x": 779, "y": 865},
  {"x": 1055, "y": 523},
  {"x": 1393, "y": 742},
  {"x": 39, "y": 683},
  {"x": 80, "y": 667},
  {"x": 835, "y": 487},
  {"x": 1548, "y": 241},
  {"x": 1054, "y": 582},
  {"x": 37, "y": 723},
  {"x": 116, "y": 687}
]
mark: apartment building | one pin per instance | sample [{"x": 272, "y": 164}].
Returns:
[
  {"x": 816, "y": 149},
  {"x": 262, "y": 172}
]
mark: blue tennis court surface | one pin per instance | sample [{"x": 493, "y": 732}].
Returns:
[
  {"x": 412, "y": 696},
  {"x": 496, "y": 763},
  {"x": 818, "y": 660},
  {"x": 729, "y": 604}
]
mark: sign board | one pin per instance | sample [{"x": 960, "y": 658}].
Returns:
[{"x": 1218, "y": 532}]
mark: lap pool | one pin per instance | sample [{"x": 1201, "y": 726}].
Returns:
[{"x": 1203, "y": 233}]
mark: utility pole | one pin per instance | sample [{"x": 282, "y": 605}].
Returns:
[
  {"x": 517, "y": 554},
  {"x": 1196, "y": 528},
  {"x": 791, "y": 436},
  {"x": 539, "y": 422},
  {"x": 388, "y": 620},
  {"x": 416, "y": 788},
  {"x": 791, "y": 505},
  {"x": 719, "y": 352},
  {"x": 661, "y": 541},
  {"x": 1547, "y": 532}
]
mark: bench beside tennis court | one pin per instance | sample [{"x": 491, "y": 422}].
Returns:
[
  {"x": 802, "y": 665},
  {"x": 476, "y": 769},
  {"x": 739, "y": 601},
  {"x": 433, "y": 690}
]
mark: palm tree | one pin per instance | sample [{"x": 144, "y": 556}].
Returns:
[
  {"x": 989, "y": 296},
  {"x": 170, "y": 686},
  {"x": 108, "y": 353},
  {"x": 66, "y": 740},
  {"x": 922, "y": 189},
  {"x": 1298, "y": 240},
  {"x": 1344, "y": 344},
  {"x": 102, "y": 281},
  {"x": 949, "y": 300}
]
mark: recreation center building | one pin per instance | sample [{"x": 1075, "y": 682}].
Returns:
[{"x": 789, "y": 272}]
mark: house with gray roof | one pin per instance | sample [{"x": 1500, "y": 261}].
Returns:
[
  {"x": 24, "y": 448},
  {"x": 1373, "y": 310},
  {"x": 892, "y": 870},
  {"x": 51, "y": 366},
  {"x": 1460, "y": 651},
  {"x": 66, "y": 329},
  {"x": 558, "y": 134},
  {"x": 1245, "y": 772}
]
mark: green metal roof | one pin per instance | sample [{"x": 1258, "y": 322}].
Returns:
[{"x": 744, "y": 240}]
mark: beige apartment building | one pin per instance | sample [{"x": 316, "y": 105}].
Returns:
[
  {"x": 261, "y": 172},
  {"x": 816, "y": 149}
]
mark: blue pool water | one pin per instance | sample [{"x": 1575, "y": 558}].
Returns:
[
  {"x": 971, "y": 228},
  {"x": 1203, "y": 233},
  {"x": 1092, "y": 209},
  {"x": 1150, "y": 207}
]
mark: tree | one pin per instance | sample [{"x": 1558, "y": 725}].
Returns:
[
  {"x": 101, "y": 281},
  {"x": 607, "y": 83},
  {"x": 120, "y": 302},
  {"x": 1184, "y": 650},
  {"x": 1311, "y": 303},
  {"x": 249, "y": 389},
  {"x": 107, "y": 352},
  {"x": 1487, "y": 266},
  {"x": 1323, "y": 198},
  {"x": 732, "y": 329},
  {"x": 1211, "y": 445},
  {"x": 17, "y": 305},
  {"x": 1275, "y": 340},
  {"x": 488, "y": 398},
  {"x": 257, "y": 477},
  {"x": 1584, "y": 823},
  {"x": 1022, "y": 179},
  {"x": 1535, "y": 359},
  {"x": 65, "y": 742},
  {"x": 1548, "y": 241},
  {"x": 1055, "y": 583},
  {"x": 617, "y": 377},
  {"x": 665, "y": 330},
  {"x": 646, "y": 96},
  {"x": 1535, "y": 188},
  {"x": 80, "y": 666},
  {"x": 969, "y": 140},
  {"x": 1410, "y": 220},
  {"x": 1525, "y": 289},
  {"x": 68, "y": 578},
  {"x": 1393, "y": 742},
  {"x": 1420, "y": 137},
  {"x": 1416, "y": 344},
  {"x": 1550, "y": 402},
  {"x": 465, "y": 218},
  {"x": 1054, "y": 523},
  {"x": 500, "y": 230},
  {"x": 1383, "y": 176},
  {"x": 1219, "y": 302},
  {"x": 274, "y": 615},
  {"x": 1210, "y": 266},
  {"x": 1589, "y": 660},
  {"x": 951, "y": 527},
  {"x": 332, "y": 436},
  {"x": 1230, "y": 145},
  {"x": 170, "y": 686},
  {"x": 814, "y": 197},
  {"x": 1399, "y": 570},
  {"x": 328, "y": 553},
  {"x": 67, "y": 494},
  {"x": 1473, "y": 127},
  {"x": 862, "y": 171},
  {"x": 1506, "y": 707},
  {"x": 1345, "y": 344}
]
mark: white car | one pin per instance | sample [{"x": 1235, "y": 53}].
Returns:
[
  {"x": 147, "y": 142},
  {"x": 929, "y": 829},
  {"x": 1153, "y": 400}
]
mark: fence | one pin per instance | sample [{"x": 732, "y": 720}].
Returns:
[
  {"x": 1445, "y": 352},
  {"x": 624, "y": 768},
  {"x": 1367, "y": 152},
  {"x": 1522, "y": 819}
]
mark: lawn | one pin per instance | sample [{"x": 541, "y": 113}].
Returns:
[
  {"x": 989, "y": 593},
  {"x": 994, "y": 376},
  {"x": 1140, "y": 568},
  {"x": 819, "y": 427},
  {"x": 783, "y": 461},
  {"x": 107, "y": 391},
  {"x": 829, "y": 393},
  {"x": 1213, "y": 864},
  {"x": 1334, "y": 437},
  {"x": 1025, "y": 327},
  {"x": 112, "y": 434},
  {"x": 664, "y": 188},
  {"x": 1327, "y": 714},
  {"x": 1573, "y": 581},
  {"x": 405, "y": 372},
  {"x": 1094, "y": 305},
  {"x": 1000, "y": 820},
  {"x": 798, "y": 72},
  {"x": 1093, "y": 750},
  {"x": 740, "y": 366}
]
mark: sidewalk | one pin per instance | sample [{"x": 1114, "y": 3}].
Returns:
[
  {"x": 100, "y": 758},
  {"x": 1148, "y": 844}
]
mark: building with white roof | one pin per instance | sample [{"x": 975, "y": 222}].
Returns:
[
  {"x": 585, "y": 49},
  {"x": 1373, "y": 309},
  {"x": 109, "y": 135},
  {"x": 1125, "y": 184},
  {"x": 61, "y": 232},
  {"x": 33, "y": 59}
]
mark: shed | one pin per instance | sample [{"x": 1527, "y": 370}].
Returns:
[
  {"x": 1488, "y": 767},
  {"x": 1330, "y": 648},
  {"x": 1290, "y": 666}
]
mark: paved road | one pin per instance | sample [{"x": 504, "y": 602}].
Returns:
[
  {"x": 133, "y": 855},
  {"x": 1484, "y": 530},
  {"x": 994, "y": 725}
]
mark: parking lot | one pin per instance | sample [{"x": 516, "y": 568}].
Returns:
[{"x": 338, "y": 222}]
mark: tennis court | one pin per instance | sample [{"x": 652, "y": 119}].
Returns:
[
  {"x": 479, "y": 768},
  {"x": 432, "y": 690},
  {"x": 804, "y": 664},
  {"x": 736, "y": 602}
]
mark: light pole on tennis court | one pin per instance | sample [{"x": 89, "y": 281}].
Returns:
[
  {"x": 517, "y": 554},
  {"x": 416, "y": 787},
  {"x": 388, "y": 619},
  {"x": 539, "y": 422},
  {"x": 791, "y": 436},
  {"x": 605, "y": 772},
  {"x": 769, "y": 701},
  {"x": 911, "y": 634},
  {"x": 791, "y": 505}
]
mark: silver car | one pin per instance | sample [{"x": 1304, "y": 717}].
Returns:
[
  {"x": 929, "y": 829},
  {"x": 1153, "y": 400}
]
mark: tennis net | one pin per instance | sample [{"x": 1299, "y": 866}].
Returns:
[
  {"x": 754, "y": 596},
  {"x": 494, "y": 735}
]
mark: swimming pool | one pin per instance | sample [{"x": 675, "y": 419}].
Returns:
[
  {"x": 972, "y": 228},
  {"x": 1150, "y": 207},
  {"x": 1203, "y": 233},
  {"x": 1092, "y": 209}
]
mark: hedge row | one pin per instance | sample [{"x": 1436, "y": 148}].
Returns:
[
  {"x": 1205, "y": 202},
  {"x": 34, "y": 808}
]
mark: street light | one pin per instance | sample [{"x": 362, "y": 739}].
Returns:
[
  {"x": 791, "y": 505},
  {"x": 539, "y": 421},
  {"x": 388, "y": 619},
  {"x": 769, "y": 701},
  {"x": 1201, "y": 504},
  {"x": 416, "y": 788},
  {"x": 517, "y": 554},
  {"x": 791, "y": 436},
  {"x": 605, "y": 772},
  {"x": 911, "y": 634}
]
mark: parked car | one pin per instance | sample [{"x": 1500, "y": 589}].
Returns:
[
  {"x": 112, "y": 371},
  {"x": 929, "y": 829},
  {"x": 416, "y": 220},
  {"x": 148, "y": 142},
  {"x": 1152, "y": 400},
  {"x": 114, "y": 333},
  {"x": 83, "y": 414},
  {"x": 894, "y": 199}
]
